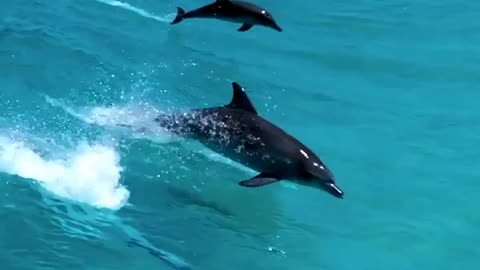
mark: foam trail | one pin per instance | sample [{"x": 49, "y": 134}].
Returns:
[
  {"x": 89, "y": 174},
  {"x": 138, "y": 123},
  {"x": 136, "y": 10},
  {"x": 134, "y": 121}
]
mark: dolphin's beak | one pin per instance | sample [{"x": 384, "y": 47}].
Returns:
[
  {"x": 333, "y": 189},
  {"x": 276, "y": 27}
]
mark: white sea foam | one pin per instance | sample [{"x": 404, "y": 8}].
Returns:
[
  {"x": 139, "y": 11},
  {"x": 88, "y": 174}
]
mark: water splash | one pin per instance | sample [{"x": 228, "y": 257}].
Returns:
[
  {"x": 139, "y": 11},
  {"x": 134, "y": 120},
  {"x": 89, "y": 174},
  {"x": 139, "y": 123}
]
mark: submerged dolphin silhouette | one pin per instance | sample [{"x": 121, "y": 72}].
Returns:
[
  {"x": 239, "y": 133},
  {"x": 234, "y": 11}
]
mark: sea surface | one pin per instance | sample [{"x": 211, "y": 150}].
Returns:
[{"x": 385, "y": 92}]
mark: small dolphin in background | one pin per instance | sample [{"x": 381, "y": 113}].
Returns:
[
  {"x": 239, "y": 133},
  {"x": 234, "y": 11}
]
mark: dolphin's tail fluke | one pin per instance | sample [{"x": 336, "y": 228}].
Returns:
[{"x": 179, "y": 17}]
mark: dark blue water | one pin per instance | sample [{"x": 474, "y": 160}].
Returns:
[{"x": 385, "y": 92}]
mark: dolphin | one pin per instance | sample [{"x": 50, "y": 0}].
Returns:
[
  {"x": 238, "y": 132},
  {"x": 234, "y": 11}
]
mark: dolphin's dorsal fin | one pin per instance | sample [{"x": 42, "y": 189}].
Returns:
[{"x": 240, "y": 99}]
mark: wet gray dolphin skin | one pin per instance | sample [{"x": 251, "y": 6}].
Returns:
[
  {"x": 246, "y": 13},
  {"x": 239, "y": 133}
]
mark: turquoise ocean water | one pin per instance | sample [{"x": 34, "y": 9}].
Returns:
[{"x": 386, "y": 92}]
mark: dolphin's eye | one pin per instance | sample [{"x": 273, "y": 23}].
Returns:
[{"x": 265, "y": 13}]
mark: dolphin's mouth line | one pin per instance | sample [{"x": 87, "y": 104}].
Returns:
[{"x": 334, "y": 190}]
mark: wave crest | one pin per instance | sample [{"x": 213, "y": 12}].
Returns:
[{"x": 89, "y": 174}]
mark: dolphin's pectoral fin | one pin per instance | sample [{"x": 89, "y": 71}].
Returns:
[
  {"x": 245, "y": 27},
  {"x": 259, "y": 180}
]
